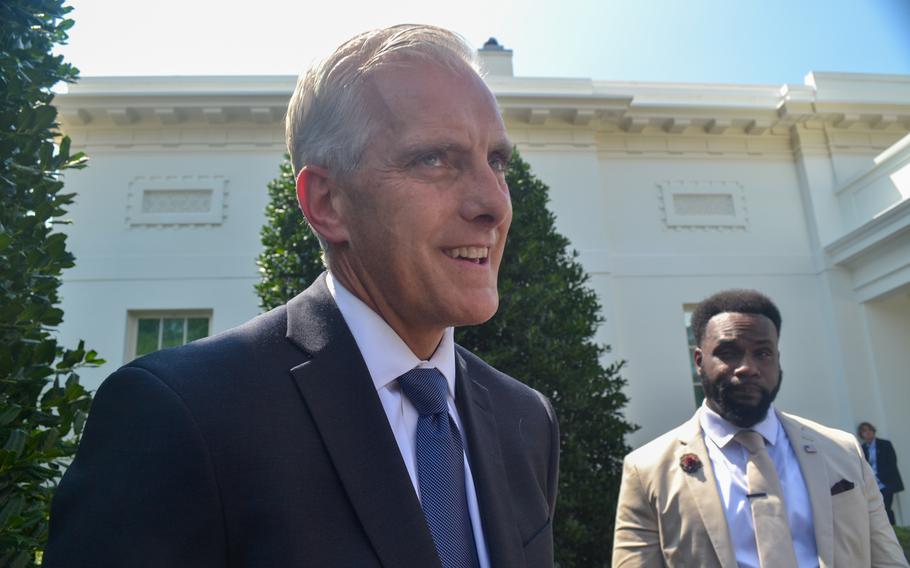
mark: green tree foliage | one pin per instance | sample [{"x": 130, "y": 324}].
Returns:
[
  {"x": 543, "y": 334},
  {"x": 42, "y": 404},
  {"x": 291, "y": 257}
]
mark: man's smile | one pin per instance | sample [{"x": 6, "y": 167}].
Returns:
[{"x": 477, "y": 255}]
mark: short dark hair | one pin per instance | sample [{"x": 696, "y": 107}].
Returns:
[
  {"x": 866, "y": 425},
  {"x": 737, "y": 301}
]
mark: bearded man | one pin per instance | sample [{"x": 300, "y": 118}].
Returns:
[{"x": 741, "y": 483}]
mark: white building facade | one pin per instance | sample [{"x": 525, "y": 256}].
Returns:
[{"x": 669, "y": 192}]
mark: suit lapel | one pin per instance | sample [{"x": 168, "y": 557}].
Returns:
[
  {"x": 488, "y": 468},
  {"x": 815, "y": 474},
  {"x": 343, "y": 402},
  {"x": 703, "y": 487}
]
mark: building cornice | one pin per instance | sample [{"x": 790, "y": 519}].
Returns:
[{"x": 827, "y": 100}]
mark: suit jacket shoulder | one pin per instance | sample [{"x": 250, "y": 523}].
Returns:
[
  {"x": 838, "y": 438},
  {"x": 668, "y": 515},
  {"x": 650, "y": 460}
]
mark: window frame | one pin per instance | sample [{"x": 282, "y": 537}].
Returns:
[
  {"x": 698, "y": 390},
  {"x": 132, "y": 324}
]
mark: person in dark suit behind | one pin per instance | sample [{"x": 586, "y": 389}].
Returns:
[
  {"x": 881, "y": 456},
  {"x": 345, "y": 428}
]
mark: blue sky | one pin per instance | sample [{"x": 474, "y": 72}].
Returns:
[{"x": 696, "y": 41}]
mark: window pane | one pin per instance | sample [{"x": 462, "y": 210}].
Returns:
[
  {"x": 690, "y": 338},
  {"x": 172, "y": 334},
  {"x": 196, "y": 328},
  {"x": 147, "y": 336}
]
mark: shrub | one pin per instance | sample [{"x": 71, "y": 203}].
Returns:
[{"x": 42, "y": 404}]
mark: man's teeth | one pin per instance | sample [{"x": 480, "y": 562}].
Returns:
[{"x": 475, "y": 254}]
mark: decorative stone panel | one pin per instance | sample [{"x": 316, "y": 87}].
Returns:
[
  {"x": 177, "y": 200},
  {"x": 703, "y": 205}
]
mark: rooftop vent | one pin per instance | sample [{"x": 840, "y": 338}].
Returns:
[{"x": 495, "y": 60}]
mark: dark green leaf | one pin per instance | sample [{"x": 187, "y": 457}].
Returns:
[
  {"x": 8, "y": 415},
  {"x": 15, "y": 442}
]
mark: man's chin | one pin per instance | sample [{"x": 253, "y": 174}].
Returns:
[
  {"x": 476, "y": 310},
  {"x": 743, "y": 413}
]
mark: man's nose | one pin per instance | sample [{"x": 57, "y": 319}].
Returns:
[
  {"x": 486, "y": 196},
  {"x": 748, "y": 366}
]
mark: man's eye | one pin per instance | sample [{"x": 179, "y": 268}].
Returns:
[
  {"x": 433, "y": 160},
  {"x": 498, "y": 163}
]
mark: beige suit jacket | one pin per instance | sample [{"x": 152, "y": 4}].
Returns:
[{"x": 667, "y": 517}]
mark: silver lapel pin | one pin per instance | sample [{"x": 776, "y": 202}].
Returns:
[{"x": 809, "y": 448}]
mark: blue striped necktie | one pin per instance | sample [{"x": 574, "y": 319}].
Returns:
[{"x": 440, "y": 468}]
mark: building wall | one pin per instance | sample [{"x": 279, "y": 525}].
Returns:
[
  {"x": 887, "y": 323},
  {"x": 645, "y": 272},
  {"x": 121, "y": 266},
  {"x": 668, "y": 192}
]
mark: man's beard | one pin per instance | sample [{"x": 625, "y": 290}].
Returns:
[{"x": 738, "y": 413}]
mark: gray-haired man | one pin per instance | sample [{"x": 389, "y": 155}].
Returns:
[{"x": 345, "y": 428}]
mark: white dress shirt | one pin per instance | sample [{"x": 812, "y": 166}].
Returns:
[
  {"x": 388, "y": 357},
  {"x": 729, "y": 459}
]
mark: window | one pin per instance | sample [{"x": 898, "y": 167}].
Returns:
[
  {"x": 150, "y": 331},
  {"x": 690, "y": 337}
]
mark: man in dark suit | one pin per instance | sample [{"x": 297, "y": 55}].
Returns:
[
  {"x": 345, "y": 428},
  {"x": 881, "y": 456}
]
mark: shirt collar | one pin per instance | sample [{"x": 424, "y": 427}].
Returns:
[
  {"x": 386, "y": 355},
  {"x": 721, "y": 432}
]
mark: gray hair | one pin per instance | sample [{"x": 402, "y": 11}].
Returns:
[{"x": 327, "y": 123}]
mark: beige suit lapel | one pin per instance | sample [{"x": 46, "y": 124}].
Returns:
[
  {"x": 805, "y": 444},
  {"x": 704, "y": 491}
]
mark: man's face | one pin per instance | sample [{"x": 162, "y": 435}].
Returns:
[
  {"x": 867, "y": 434},
  {"x": 427, "y": 212},
  {"x": 739, "y": 365}
]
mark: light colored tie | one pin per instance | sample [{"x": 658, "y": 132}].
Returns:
[{"x": 769, "y": 515}]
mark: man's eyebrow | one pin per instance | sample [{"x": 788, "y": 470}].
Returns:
[
  {"x": 428, "y": 145},
  {"x": 725, "y": 340},
  {"x": 504, "y": 146}
]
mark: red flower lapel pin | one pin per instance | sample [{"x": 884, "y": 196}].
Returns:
[{"x": 690, "y": 463}]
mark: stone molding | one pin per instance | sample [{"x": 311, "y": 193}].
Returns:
[
  {"x": 854, "y": 109},
  {"x": 703, "y": 205},
  {"x": 159, "y": 201}
]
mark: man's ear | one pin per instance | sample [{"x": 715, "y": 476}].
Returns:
[
  {"x": 318, "y": 199},
  {"x": 697, "y": 356}
]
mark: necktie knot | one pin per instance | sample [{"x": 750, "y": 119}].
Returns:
[
  {"x": 427, "y": 390},
  {"x": 751, "y": 440}
]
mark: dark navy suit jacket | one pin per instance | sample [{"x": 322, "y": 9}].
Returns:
[
  {"x": 267, "y": 446},
  {"x": 886, "y": 464}
]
